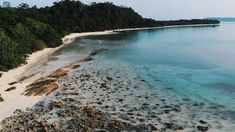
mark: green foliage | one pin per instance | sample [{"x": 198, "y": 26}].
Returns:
[
  {"x": 24, "y": 30},
  {"x": 10, "y": 57}
]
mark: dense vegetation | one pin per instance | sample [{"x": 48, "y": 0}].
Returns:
[{"x": 25, "y": 29}]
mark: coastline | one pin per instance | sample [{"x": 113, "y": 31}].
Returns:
[
  {"x": 15, "y": 97},
  {"x": 98, "y": 94},
  {"x": 19, "y": 101},
  {"x": 162, "y": 27}
]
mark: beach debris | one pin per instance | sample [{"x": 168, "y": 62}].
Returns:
[
  {"x": 10, "y": 89},
  {"x": 44, "y": 85}
]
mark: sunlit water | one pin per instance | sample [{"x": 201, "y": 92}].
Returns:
[{"x": 195, "y": 62}]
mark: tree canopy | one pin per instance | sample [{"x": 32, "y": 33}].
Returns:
[{"x": 25, "y": 29}]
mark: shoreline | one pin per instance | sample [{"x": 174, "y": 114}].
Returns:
[
  {"x": 163, "y": 27},
  {"x": 15, "y": 97}
]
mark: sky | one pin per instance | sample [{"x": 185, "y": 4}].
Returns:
[{"x": 162, "y": 9}]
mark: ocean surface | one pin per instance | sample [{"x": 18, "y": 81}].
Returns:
[{"x": 194, "y": 63}]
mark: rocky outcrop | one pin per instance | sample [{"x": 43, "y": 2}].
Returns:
[
  {"x": 85, "y": 59},
  {"x": 97, "y": 51},
  {"x": 44, "y": 85},
  {"x": 12, "y": 83},
  {"x": 10, "y": 89},
  {"x": 59, "y": 73}
]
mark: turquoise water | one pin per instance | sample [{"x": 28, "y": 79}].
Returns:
[{"x": 196, "y": 62}]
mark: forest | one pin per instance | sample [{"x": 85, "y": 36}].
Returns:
[{"x": 25, "y": 29}]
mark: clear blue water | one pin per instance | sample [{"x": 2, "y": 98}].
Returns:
[
  {"x": 190, "y": 67},
  {"x": 196, "y": 62}
]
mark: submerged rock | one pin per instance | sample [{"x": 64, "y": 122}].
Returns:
[
  {"x": 97, "y": 51},
  {"x": 202, "y": 128}
]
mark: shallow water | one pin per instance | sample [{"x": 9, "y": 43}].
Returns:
[{"x": 195, "y": 63}]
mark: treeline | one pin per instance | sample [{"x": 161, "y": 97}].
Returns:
[{"x": 25, "y": 29}]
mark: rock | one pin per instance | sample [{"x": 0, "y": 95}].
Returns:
[
  {"x": 110, "y": 78},
  {"x": 202, "y": 128},
  {"x": 75, "y": 66},
  {"x": 42, "y": 86},
  {"x": 12, "y": 83},
  {"x": 97, "y": 51},
  {"x": 90, "y": 110},
  {"x": 85, "y": 59},
  {"x": 60, "y": 104},
  {"x": 1, "y": 99},
  {"x": 153, "y": 128},
  {"x": 10, "y": 89},
  {"x": 173, "y": 126},
  {"x": 121, "y": 100},
  {"x": 203, "y": 122},
  {"x": 59, "y": 73},
  {"x": 118, "y": 124}
]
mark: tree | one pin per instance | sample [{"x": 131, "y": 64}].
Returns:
[{"x": 23, "y": 6}]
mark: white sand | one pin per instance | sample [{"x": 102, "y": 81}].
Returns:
[{"x": 16, "y": 100}]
